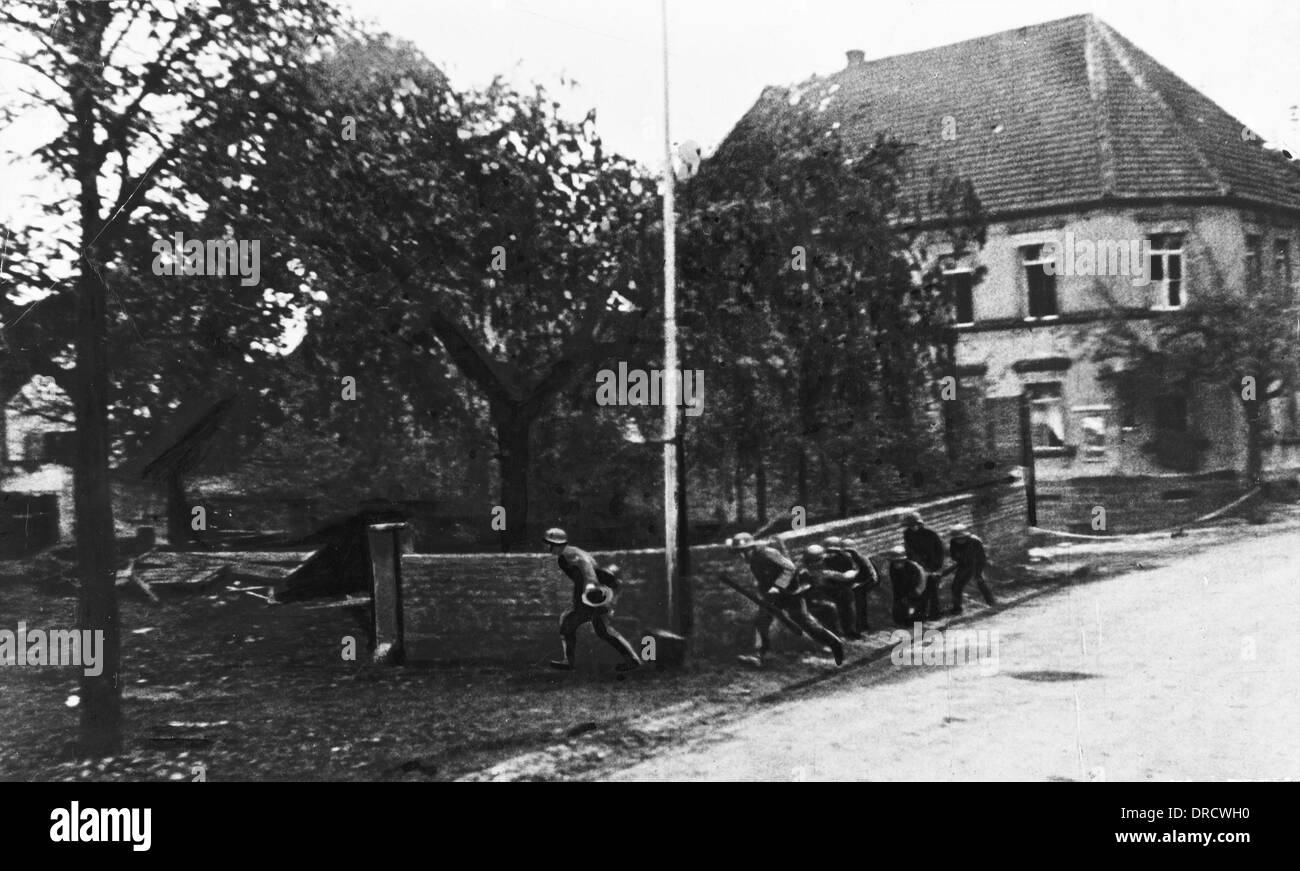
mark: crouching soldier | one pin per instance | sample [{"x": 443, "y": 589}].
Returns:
[
  {"x": 830, "y": 598},
  {"x": 907, "y": 579},
  {"x": 774, "y": 575},
  {"x": 969, "y": 560},
  {"x": 924, "y": 546},
  {"x": 592, "y": 601},
  {"x": 843, "y": 557}
]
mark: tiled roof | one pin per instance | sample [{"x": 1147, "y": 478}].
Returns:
[{"x": 1053, "y": 115}]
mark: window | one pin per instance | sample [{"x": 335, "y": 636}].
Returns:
[
  {"x": 1042, "y": 286},
  {"x": 1046, "y": 415},
  {"x": 1254, "y": 258},
  {"x": 1282, "y": 260},
  {"x": 1171, "y": 412},
  {"x": 961, "y": 283},
  {"x": 1166, "y": 269},
  {"x": 1092, "y": 429}
]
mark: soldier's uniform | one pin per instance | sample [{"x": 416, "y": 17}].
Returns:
[
  {"x": 968, "y": 555},
  {"x": 908, "y": 582},
  {"x": 581, "y": 569},
  {"x": 843, "y": 557},
  {"x": 775, "y": 577},
  {"x": 924, "y": 547}
]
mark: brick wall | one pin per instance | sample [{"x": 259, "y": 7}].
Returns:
[
  {"x": 1134, "y": 504},
  {"x": 507, "y": 606}
]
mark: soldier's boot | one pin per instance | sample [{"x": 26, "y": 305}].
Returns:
[{"x": 565, "y": 664}]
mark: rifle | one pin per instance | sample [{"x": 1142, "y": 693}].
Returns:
[{"x": 766, "y": 606}]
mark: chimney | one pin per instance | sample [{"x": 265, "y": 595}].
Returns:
[{"x": 856, "y": 56}]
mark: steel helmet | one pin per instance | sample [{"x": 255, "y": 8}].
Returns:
[
  {"x": 555, "y": 535},
  {"x": 898, "y": 552},
  {"x": 832, "y": 542},
  {"x": 740, "y": 541},
  {"x": 814, "y": 553}
]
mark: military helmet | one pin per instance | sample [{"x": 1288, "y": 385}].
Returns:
[
  {"x": 832, "y": 542},
  {"x": 555, "y": 535},
  {"x": 898, "y": 552},
  {"x": 740, "y": 541},
  {"x": 814, "y": 553},
  {"x": 960, "y": 529},
  {"x": 909, "y": 518}
]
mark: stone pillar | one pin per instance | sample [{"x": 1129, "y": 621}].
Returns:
[{"x": 384, "y": 549}]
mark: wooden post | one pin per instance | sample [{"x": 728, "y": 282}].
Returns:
[{"x": 384, "y": 548}]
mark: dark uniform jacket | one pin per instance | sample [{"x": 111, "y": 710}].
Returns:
[
  {"x": 771, "y": 568},
  {"x": 581, "y": 568},
  {"x": 848, "y": 559},
  {"x": 907, "y": 580},
  {"x": 968, "y": 553},
  {"x": 924, "y": 546}
]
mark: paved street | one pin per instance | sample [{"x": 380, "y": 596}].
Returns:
[{"x": 1190, "y": 670}]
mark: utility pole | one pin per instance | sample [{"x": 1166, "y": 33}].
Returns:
[{"x": 670, "y": 376}]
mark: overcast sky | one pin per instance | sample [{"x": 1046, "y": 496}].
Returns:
[{"x": 1245, "y": 55}]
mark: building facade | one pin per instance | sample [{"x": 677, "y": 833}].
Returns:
[{"x": 1111, "y": 188}]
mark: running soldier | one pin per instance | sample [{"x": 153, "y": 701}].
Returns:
[
  {"x": 969, "y": 560},
  {"x": 581, "y": 569},
  {"x": 907, "y": 579},
  {"x": 843, "y": 557},
  {"x": 924, "y": 546},
  {"x": 774, "y": 575}
]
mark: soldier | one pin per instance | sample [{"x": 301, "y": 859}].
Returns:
[
  {"x": 924, "y": 547},
  {"x": 830, "y": 598},
  {"x": 581, "y": 569},
  {"x": 774, "y": 575},
  {"x": 907, "y": 579},
  {"x": 843, "y": 557},
  {"x": 969, "y": 560}
]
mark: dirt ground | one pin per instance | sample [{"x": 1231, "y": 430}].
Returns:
[{"x": 229, "y": 686}]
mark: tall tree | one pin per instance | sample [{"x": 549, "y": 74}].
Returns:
[
  {"x": 806, "y": 290},
  {"x": 128, "y": 84},
  {"x": 484, "y": 234}
]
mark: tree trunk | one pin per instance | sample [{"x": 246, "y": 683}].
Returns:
[
  {"x": 513, "y": 431},
  {"x": 803, "y": 477},
  {"x": 760, "y": 490},
  {"x": 1254, "y": 411},
  {"x": 101, "y": 704},
  {"x": 844, "y": 488},
  {"x": 178, "y": 519},
  {"x": 740, "y": 490}
]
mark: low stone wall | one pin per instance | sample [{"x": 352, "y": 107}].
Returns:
[
  {"x": 1133, "y": 504},
  {"x": 507, "y": 606}
]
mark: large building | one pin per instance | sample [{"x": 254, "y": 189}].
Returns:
[{"x": 1075, "y": 138}]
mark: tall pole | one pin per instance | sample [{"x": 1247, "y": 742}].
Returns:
[{"x": 670, "y": 377}]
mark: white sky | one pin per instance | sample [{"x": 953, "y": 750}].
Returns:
[{"x": 1243, "y": 54}]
